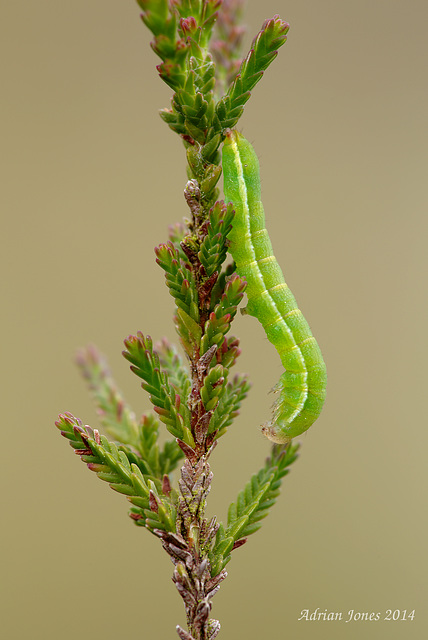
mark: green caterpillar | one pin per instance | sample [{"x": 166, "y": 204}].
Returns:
[{"x": 302, "y": 387}]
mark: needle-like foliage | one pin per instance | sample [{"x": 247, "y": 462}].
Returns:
[{"x": 198, "y": 43}]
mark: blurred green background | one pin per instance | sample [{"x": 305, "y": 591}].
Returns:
[{"x": 91, "y": 178}]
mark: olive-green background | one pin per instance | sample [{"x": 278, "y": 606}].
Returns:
[{"x": 91, "y": 178}]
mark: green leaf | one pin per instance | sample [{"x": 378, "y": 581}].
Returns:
[
  {"x": 179, "y": 279},
  {"x": 263, "y": 51},
  {"x": 198, "y": 18},
  {"x": 155, "y": 14},
  {"x": 193, "y": 102},
  {"x": 167, "y": 403},
  {"x": 252, "y": 504},
  {"x": 170, "y": 456},
  {"x": 116, "y": 417},
  {"x": 229, "y": 352},
  {"x": 174, "y": 120},
  {"x": 148, "y": 445},
  {"x": 172, "y": 363},
  {"x": 218, "y": 323},
  {"x": 213, "y": 249},
  {"x": 113, "y": 466},
  {"x": 228, "y": 407},
  {"x": 189, "y": 332},
  {"x": 213, "y": 387},
  {"x": 220, "y": 284}
]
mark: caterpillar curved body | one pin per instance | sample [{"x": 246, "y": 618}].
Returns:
[{"x": 302, "y": 387}]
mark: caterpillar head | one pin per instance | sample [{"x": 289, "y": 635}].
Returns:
[{"x": 271, "y": 432}]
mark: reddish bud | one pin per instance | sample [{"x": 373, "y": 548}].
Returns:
[
  {"x": 166, "y": 485},
  {"x": 188, "y": 25},
  {"x": 153, "y": 502}
]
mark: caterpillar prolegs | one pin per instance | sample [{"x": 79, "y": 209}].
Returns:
[{"x": 302, "y": 387}]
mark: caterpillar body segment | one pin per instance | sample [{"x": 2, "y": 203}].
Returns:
[{"x": 302, "y": 387}]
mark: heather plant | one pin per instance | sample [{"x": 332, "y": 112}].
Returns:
[{"x": 194, "y": 396}]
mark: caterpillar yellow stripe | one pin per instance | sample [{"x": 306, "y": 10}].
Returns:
[{"x": 302, "y": 387}]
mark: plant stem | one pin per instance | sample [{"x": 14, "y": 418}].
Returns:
[{"x": 188, "y": 548}]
